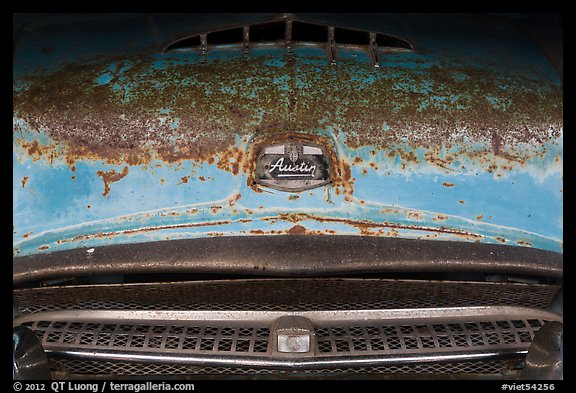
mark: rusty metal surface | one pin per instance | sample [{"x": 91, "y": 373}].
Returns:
[
  {"x": 290, "y": 255},
  {"x": 459, "y": 139}
]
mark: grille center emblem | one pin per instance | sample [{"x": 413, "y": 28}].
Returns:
[
  {"x": 292, "y": 166},
  {"x": 293, "y": 152}
]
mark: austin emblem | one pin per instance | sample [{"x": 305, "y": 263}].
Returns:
[
  {"x": 292, "y": 151},
  {"x": 292, "y": 166}
]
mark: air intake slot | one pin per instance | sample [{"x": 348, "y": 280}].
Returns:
[
  {"x": 225, "y": 37},
  {"x": 388, "y": 41},
  {"x": 351, "y": 37},
  {"x": 184, "y": 44},
  {"x": 288, "y": 31},
  {"x": 267, "y": 32},
  {"x": 307, "y": 32}
]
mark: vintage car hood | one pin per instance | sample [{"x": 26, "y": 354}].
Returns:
[{"x": 116, "y": 141}]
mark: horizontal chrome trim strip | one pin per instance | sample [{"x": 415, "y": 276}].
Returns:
[
  {"x": 471, "y": 314},
  {"x": 260, "y": 361}
]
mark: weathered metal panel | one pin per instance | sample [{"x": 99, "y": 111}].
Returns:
[{"x": 460, "y": 139}]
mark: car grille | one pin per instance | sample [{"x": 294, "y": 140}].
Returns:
[
  {"x": 232, "y": 327},
  {"x": 371, "y": 338},
  {"x": 286, "y": 294},
  {"x": 64, "y": 368}
]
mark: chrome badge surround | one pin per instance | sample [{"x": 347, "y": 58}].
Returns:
[{"x": 292, "y": 166}]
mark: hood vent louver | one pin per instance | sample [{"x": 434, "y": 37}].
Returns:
[{"x": 288, "y": 32}]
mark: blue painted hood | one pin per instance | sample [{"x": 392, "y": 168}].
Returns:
[{"x": 116, "y": 141}]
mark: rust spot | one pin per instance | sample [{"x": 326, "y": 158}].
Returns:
[
  {"x": 257, "y": 232},
  {"x": 366, "y": 226},
  {"x": 480, "y": 217},
  {"x": 440, "y": 217},
  {"x": 345, "y": 182},
  {"x": 183, "y": 180},
  {"x": 215, "y": 209},
  {"x": 33, "y": 148},
  {"x": 24, "y": 180},
  {"x": 234, "y": 199},
  {"x": 346, "y": 171},
  {"x": 501, "y": 240},
  {"x": 415, "y": 216},
  {"x": 445, "y": 184},
  {"x": 293, "y": 197},
  {"x": 524, "y": 243},
  {"x": 43, "y": 247},
  {"x": 111, "y": 177},
  {"x": 297, "y": 230},
  {"x": 461, "y": 201},
  {"x": 88, "y": 206},
  {"x": 26, "y": 235},
  {"x": 232, "y": 160},
  {"x": 201, "y": 178},
  {"x": 192, "y": 211},
  {"x": 96, "y": 121},
  {"x": 406, "y": 156},
  {"x": 364, "y": 171},
  {"x": 253, "y": 185},
  {"x": 110, "y": 235},
  {"x": 169, "y": 214}
]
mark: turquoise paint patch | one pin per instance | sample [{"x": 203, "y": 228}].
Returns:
[
  {"x": 20, "y": 86},
  {"x": 274, "y": 63},
  {"x": 516, "y": 201},
  {"x": 174, "y": 123},
  {"x": 104, "y": 79},
  {"x": 498, "y": 103},
  {"x": 352, "y": 54}
]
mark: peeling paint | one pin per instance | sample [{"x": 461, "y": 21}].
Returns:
[
  {"x": 111, "y": 177},
  {"x": 491, "y": 135},
  {"x": 93, "y": 121}
]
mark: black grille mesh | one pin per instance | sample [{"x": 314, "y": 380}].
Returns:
[{"x": 286, "y": 295}]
